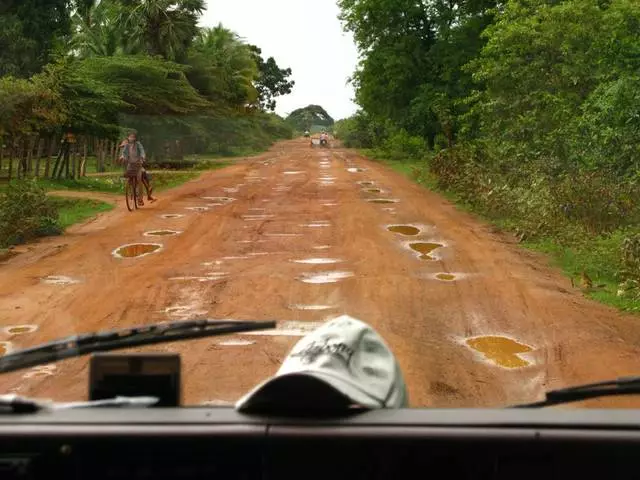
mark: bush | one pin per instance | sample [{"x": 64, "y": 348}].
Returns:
[
  {"x": 26, "y": 213},
  {"x": 631, "y": 257},
  {"x": 402, "y": 146}
]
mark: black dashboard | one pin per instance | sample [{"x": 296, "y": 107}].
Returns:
[{"x": 195, "y": 443}]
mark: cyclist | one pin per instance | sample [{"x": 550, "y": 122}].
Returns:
[{"x": 133, "y": 156}]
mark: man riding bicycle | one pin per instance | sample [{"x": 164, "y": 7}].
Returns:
[{"x": 133, "y": 157}]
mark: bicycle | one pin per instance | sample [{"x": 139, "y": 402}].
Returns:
[{"x": 131, "y": 191}]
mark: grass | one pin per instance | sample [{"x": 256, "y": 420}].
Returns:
[
  {"x": 598, "y": 256},
  {"x": 75, "y": 210},
  {"x": 115, "y": 183}
]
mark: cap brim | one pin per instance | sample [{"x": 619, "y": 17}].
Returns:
[{"x": 305, "y": 391}]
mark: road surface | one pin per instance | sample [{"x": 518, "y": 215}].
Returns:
[{"x": 245, "y": 257}]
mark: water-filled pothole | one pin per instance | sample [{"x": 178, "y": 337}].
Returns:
[
  {"x": 172, "y": 215},
  {"x": 289, "y": 329},
  {"x": 372, "y": 190},
  {"x": 5, "y": 348},
  {"x": 383, "y": 200},
  {"x": 135, "y": 250},
  {"x": 355, "y": 169},
  {"x": 294, "y": 172},
  {"x": 445, "y": 277},
  {"x": 59, "y": 280},
  {"x": 407, "y": 230},
  {"x": 502, "y": 351},
  {"x": 425, "y": 249},
  {"x": 161, "y": 233},
  {"x": 20, "y": 329},
  {"x": 317, "y": 261},
  {"x": 317, "y": 224},
  {"x": 219, "y": 199},
  {"x": 366, "y": 183},
  {"x": 210, "y": 277},
  {"x": 325, "y": 277},
  {"x": 197, "y": 209},
  {"x": 251, "y": 218},
  {"x": 310, "y": 307}
]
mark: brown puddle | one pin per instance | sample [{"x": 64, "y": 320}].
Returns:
[
  {"x": 383, "y": 200},
  {"x": 447, "y": 277},
  {"x": 425, "y": 248},
  {"x": 136, "y": 250},
  {"x": 372, "y": 190},
  {"x": 407, "y": 230},
  {"x": 19, "y": 329},
  {"x": 5, "y": 347},
  {"x": 160, "y": 233},
  {"x": 502, "y": 351}
]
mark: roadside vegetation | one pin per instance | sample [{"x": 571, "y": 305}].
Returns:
[
  {"x": 78, "y": 76},
  {"x": 522, "y": 111}
]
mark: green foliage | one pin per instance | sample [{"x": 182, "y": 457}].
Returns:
[
  {"x": 26, "y": 213},
  {"x": 631, "y": 257},
  {"x": 76, "y": 210},
  {"x": 303, "y": 119},
  {"x": 272, "y": 80}
]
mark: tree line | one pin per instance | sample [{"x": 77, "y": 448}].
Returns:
[
  {"x": 75, "y": 75},
  {"x": 529, "y": 110}
]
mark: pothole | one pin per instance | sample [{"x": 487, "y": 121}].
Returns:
[
  {"x": 425, "y": 249},
  {"x": 383, "y": 200},
  {"x": 5, "y": 348},
  {"x": 295, "y": 172},
  {"x": 366, "y": 183},
  {"x": 407, "y": 230},
  {"x": 219, "y": 199},
  {"x": 372, "y": 190},
  {"x": 317, "y": 224},
  {"x": 355, "y": 169},
  {"x": 172, "y": 215},
  {"x": 136, "y": 250},
  {"x": 161, "y": 233},
  {"x": 502, "y": 351},
  {"x": 322, "y": 247},
  {"x": 445, "y": 277},
  {"x": 211, "y": 277},
  {"x": 20, "y": 329},
  {"x": 329, "y": 204},
  {"x": 197, "y": 209},
  {"x": 324, "y": 277},
  {"x": 59, "y": 280},
  {"x": 317, "y": 261},
  {"x": 184, "y": 312},
  {"x": 236, "y": 343},
  {"x": 310, "y": 307},
  {"x": 231, "y": 189},
  {"x": 289, "y": 329},
  {"x": 250, "y": 218},
  {"x": 41, "y": 371}
]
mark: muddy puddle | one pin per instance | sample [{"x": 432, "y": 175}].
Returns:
[
  {"x": 184, "y": 312},
  {"x": 161, "y": 233},
  {"x": 299, "y": 306},
  {"x": 222, "y": 200},
  {"x": 372, "y": 190},
  {"x": 355, "y": 169},
  {"x": 236, "y": 343},
  {"x": 197, "y": 209},
  {"x": 59, "y": 280},
  {"x": 5, "y": 347},
  {"x": 210, "y": 277},
  {"x": 406, "y": 230},
  {"x": 383, "y": 200},
  {"x": 425, "y": 249},
  {"x": 322, "y": 247},
  {"x": 41, "y": 371},
  {"x": 19, "y": 329},
  {"x": 288, "y": 329},
  {"x": 295, "y": 172},
  {"x": 317, "y": 261},
  {"x": 502, "y": 351},
  {"x": 172, "y": 215},
  {"x": 253, "y": 218},
  {"x": 317, "y": 224},
  {"x": 366, "y": 183},
  {"x": 136, "y": 250},
  {"x": 325, "y": 277}
]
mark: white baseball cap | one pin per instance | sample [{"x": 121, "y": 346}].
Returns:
[{"x": 342, "y": 364}]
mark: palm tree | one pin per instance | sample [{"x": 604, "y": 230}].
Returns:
[
  {"x": 162, "y": 27},
  {"x": 224, "y": 67}
]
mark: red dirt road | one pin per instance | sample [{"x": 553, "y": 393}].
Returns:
[{"x": 237, "y": 260}]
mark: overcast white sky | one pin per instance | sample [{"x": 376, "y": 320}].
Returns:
[{"x": 296, "y": 33}]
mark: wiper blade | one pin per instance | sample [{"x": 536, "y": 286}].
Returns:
[
  {"x": 620, "y": 386},
  {"x": 16, "y": 404},
  {"x": 79, "y": 345}
]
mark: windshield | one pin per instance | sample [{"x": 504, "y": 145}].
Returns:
[{"x": 463, "y": 176}]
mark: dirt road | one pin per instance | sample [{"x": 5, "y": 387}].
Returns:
[{"x": 238, "y": 259}]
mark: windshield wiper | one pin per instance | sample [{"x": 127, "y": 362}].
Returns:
[
  {"x": 79, "y": 345},
  {"x": 620, "y": 386},
  {"x": 16, "y": 404}
]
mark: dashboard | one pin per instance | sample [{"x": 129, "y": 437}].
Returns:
[{"x": 195, "y": 443}]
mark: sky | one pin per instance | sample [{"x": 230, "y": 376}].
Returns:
[{"x": 304, "y": 35}]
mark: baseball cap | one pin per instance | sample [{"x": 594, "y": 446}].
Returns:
[{"x": 344, "y": 363}]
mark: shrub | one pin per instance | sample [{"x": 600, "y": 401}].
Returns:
[
  {"x": 26, "y": 213},
  {"x": 631, "y": 256},
  {"x": 402, "y": 146}
]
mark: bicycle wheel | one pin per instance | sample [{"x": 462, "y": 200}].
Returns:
[{"x": 130, "y": 193}]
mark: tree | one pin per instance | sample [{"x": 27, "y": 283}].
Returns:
[
  {"x": 305, "y": 118},
  {"x": 162, "y": 27},
  {"x": 272, "y": 81}
]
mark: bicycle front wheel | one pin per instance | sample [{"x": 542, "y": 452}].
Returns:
[{"x": 130, "y": 193}]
